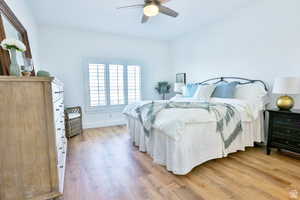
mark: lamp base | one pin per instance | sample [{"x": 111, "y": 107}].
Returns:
[{"x": 285, "y": 102}]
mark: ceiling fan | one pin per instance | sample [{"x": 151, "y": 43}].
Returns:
[{"x": 152, "y": 8}]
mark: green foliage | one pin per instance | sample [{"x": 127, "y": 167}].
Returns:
[{"x": 163, "y": 87}]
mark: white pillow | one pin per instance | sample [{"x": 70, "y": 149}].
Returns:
[
  {"x": 204, "y": 92},
  {"x": 252, "y": 91}
]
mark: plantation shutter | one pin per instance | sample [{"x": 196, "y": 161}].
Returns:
[
  {"x": 134, "y": 86},
  {"x": 97, "y": 85},
  {"x": 116, "y": 84}
]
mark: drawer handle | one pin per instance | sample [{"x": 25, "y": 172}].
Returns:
[
  {"x": 60, "y": 148},
  {"x": 59, "y": 129},
  {"x": 58, "y": 92},
  {"x": 63, "y": 152},
  {"x": 57, "y": 109},
  {"x": 61, "y": 166}
]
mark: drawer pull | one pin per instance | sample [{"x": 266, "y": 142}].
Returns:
[
  {"x": 60, "y": 148},
  {"x": 57, "y": 109},
  {"x": 61, "y": 166},
  {"x": 59, "y": 129},
  {"x": 63, "y": 152},
  {"x": 58, "y": 92}
]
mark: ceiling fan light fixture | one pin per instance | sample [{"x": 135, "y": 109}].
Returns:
[{"x": 151, "y": 10}]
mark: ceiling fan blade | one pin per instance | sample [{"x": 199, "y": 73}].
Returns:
[
  {"x": 132, "y": 6},
  {"x": 164, "y": 1},
  {"x": 145, "y": 19},
  {"x": 168, "y": 11}
]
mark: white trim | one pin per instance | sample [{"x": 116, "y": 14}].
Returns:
[{"x": 104, "y": 124}]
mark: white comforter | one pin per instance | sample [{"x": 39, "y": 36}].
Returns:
[{"x": 194, "y": 138}]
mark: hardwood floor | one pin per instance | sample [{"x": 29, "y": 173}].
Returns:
[{"x": 103, "y": 164}]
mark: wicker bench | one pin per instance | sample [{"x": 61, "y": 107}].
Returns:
[{"x": 73, "y": 118}]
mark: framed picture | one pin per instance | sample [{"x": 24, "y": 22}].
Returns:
[{"x": 181, "y": 78}]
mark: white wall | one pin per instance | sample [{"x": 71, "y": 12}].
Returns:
[
  {"x": 24, "y": 14},
  {"x": 258, "y": 42},
  {"x": 64, "y": 51}
]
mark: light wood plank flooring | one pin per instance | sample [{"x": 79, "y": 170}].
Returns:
[{"x": 103, "y": 164}]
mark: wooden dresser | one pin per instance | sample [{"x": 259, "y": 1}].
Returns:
[
  {"x": 284, "y": 130},
  {"x": 33, "y": 145}
]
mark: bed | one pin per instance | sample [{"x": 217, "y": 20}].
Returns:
[{"x": 182, "y": 138}]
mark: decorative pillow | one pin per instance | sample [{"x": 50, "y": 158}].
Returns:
[
  {"x": 225, "y": 90},
  {"x": 204, "y": 92},
  {"x": 189, "y": 90},
  {"x": 252, "y": 91}
]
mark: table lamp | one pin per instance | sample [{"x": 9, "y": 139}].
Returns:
[{"x": 286, "y": 86}]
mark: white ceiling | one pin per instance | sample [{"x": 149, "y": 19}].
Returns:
[{"x": 102, "y": 15}]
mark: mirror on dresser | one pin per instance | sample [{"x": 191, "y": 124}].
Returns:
[{"x": 11, "y": 27}]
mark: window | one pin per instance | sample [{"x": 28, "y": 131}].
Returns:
[{"x": 113, "y": 84}]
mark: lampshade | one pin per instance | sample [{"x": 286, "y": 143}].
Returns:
[
  {"x": 287, "y": 85},
  {"x": 151, "y": 10},
  {"x": 178, "y": 87}
]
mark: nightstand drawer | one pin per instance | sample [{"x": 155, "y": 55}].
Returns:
[
  {"x": 286, "y": 131},
  {"x": 285, "y": 137},
  {"x": 285, "y": 143},
  {"x": 286, "y": 121}
]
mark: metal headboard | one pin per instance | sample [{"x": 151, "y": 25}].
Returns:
[{"x": 245, "y": 81}]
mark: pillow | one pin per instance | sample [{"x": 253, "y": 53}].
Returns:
[
  {"x": 225, "y": 90},
  {"x": 253, "y": 91},
  {"x": 204, "y": 92},
  {"x": 189, "y": 90}
]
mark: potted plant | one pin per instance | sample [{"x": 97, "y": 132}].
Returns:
[
  {"x": 163, "y": 88},
  {"x": 13, "y": 45}
]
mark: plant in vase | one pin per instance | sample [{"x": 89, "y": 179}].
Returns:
[
  {"x": 163, "y": 88},
  {"x": 13, "y": 45}
]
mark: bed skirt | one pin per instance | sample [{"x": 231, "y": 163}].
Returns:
[{"x": 200, "y": 143}]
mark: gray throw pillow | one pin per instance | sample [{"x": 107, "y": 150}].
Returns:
[{"x": 225, "y": 90}]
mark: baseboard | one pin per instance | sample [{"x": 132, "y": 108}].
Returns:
[{"x": 103, "y": 124}]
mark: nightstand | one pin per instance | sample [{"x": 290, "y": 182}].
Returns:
[{"x": 284, "y": 130}]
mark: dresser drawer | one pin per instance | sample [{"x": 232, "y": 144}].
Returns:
[
  {"x": 57, "y": 92},
  {"x": 57, "y": 96},
  {"x": 61, "y": 156},
  {"x": 58, "y": 111}
]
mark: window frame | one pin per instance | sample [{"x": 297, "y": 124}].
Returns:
[{"x": 108, "y": 108}]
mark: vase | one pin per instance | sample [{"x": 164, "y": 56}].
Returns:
[{"x": 14, "y": 68}]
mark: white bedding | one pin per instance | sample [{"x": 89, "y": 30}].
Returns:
[{"x": 193, "y": 139}]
